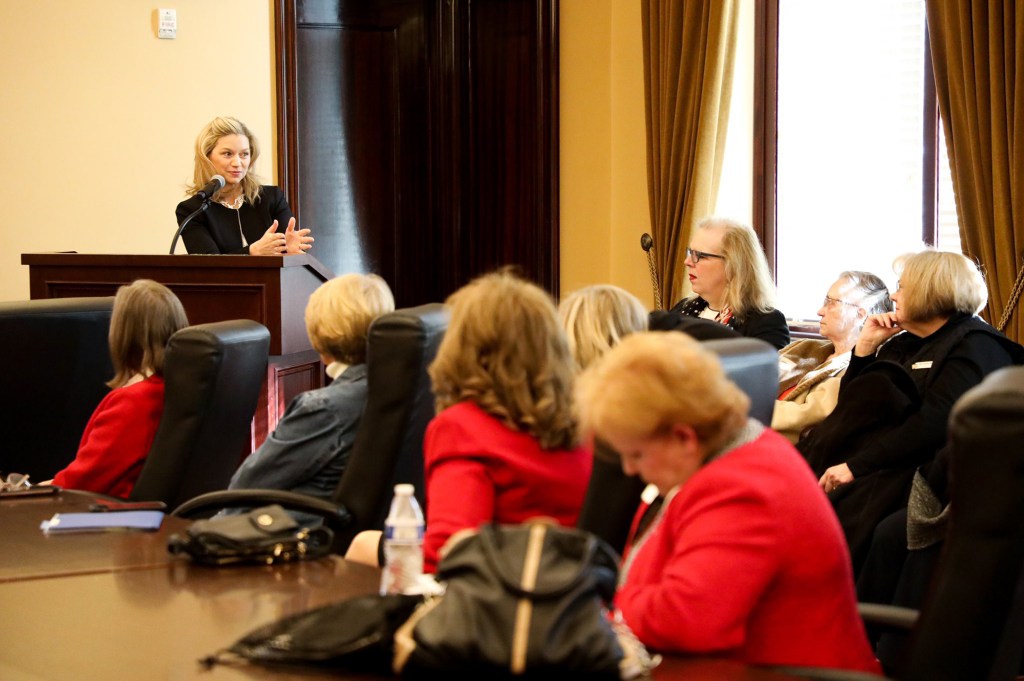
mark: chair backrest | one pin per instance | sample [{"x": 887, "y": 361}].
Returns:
[
  {"x": 971, "y": 622},
  {"x": 57, "y": 364},
  {"x": 389, "y": 443},
  {"x": 212, "y": 378},
  {"x": 612, "y": 497}
]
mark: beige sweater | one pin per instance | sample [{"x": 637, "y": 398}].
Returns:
[{"x": 804, "y": 366}]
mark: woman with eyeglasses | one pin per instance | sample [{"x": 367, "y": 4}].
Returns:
[
  {"x": 731, "y": 282},
  {"x": 907, "y": 369},
  {"x": 810, "y": 369}
]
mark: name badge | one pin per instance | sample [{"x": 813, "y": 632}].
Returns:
[{"x": 921, "y": 365}]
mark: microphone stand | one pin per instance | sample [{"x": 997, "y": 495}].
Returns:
[
  {"x": 647, "y": 243},
  {"x": 205, "y": 204}
]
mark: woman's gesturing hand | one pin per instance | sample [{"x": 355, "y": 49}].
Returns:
[
  {"x": 271, "y": 243},
  {"x": 297, "y": 240}
]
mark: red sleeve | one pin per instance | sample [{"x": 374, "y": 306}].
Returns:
[
  {"x": 460, "y": 491},
  {"x": 698, "y": 602},
  {"x": 115, "y": 443}
]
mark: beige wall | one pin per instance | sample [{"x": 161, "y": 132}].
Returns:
[
  {"x": 603, "y": 159},
  {"x": 98, "y": 117}
]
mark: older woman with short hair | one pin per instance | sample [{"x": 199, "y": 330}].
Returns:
[
  {"x": 732, "y": 284},
  {"x": 935, "y": 334},
  {"x": 810, "y": 369},
  {"x": 744, "y": 559}
]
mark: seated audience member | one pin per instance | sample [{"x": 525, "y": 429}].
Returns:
[
  {"x": 596, "y": 318},
  {"x": 744, "y": 559},
  {"x": 308, "y": 450},
  {"x": 503, "y": 446},
  {"x": 120, "y": 431},
  {"x": 729, "y": 275},
  {"x": 810, "y": 369},
  {"x": 927, "y": 352}
]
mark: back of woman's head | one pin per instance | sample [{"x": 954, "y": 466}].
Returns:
[
  {"x": 749, "y": 286},
  {"x": 870, "y": 290},
  {"x": 339, "y": 314},
  {"x": 206, "y": 141},
  {"x": 146, "y": 314},
  {"x": 505, "y": 351},
  {"x": 596, "y": 318},
  {"x": 652, "y": 381},
  {"x": 940, "y": 284}
]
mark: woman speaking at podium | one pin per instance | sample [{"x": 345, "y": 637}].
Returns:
[{"x": 243, "y": 217}]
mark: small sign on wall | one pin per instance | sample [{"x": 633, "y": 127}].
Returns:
[{"x": 167, "y": 24}]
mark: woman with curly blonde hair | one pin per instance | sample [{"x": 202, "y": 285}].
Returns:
[{"x": 503, "y": 446}]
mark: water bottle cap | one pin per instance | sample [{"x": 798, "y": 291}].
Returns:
[{"x": 404, "y": 489}]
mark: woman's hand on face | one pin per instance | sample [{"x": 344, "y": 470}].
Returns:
[
  {"x": 271, "y": 243},
  {"x": 834, "y": 477},
  {"x": 877, "y": 329},
  {"x": 297, "y": 240}
]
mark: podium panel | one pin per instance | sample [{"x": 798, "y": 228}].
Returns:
[{"x": 272, "y": 290}]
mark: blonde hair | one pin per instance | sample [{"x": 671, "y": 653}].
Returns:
[
  {"x": 939, "y": 284},
  {"x": 748, "y": 282},
  {"x": 146, "y": 314},
  {"x": 339, "y": 314},
  {"x": 596, "y": 318},
  {"x": 505, "y": 351},
  {"x": 219, "y": 127},
  {"x": 654, "y": 380}
]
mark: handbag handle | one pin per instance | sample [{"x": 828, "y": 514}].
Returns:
[{"x": 489, "y": 539}]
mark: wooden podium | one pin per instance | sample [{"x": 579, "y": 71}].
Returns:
[{"x": 271, "y": 290}]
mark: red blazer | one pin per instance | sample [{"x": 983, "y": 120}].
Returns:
[
  {"x": 748, "y": 562},
  {"x": 479, "y": 471},
  {"x": 116, "y": 440}
]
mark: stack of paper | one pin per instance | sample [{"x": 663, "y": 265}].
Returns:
[{"x": 101, "y": 522}]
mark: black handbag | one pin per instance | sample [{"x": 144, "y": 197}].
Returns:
[
  {"x": 263, "y": 535},
  {"x": 356, "y": 634},
  {"x": 521, "y": 601}
]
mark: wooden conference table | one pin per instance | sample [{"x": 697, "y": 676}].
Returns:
[{"x": 118, "y": 606}]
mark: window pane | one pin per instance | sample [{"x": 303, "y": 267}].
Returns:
[
  {"x": 949, "y": 224},
  {"x": 850, "y": 107}
]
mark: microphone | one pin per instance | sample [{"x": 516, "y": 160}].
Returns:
[
  {"x": 647, "y": 243},
  {"x": 215, "y": 184}
]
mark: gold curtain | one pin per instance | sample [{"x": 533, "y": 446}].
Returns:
[
  {"x": 978, "y": 55},
  {"x": 689, "y": 49}
]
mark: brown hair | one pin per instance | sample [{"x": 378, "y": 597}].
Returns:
[
  {"x": 146, "y": 314},
  {"x": 339, "y": 314},
  {"x": 653, "y": 380},
  {"x": 505, "y": 351}
]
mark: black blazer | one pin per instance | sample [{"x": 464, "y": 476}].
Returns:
[
  {"x": 219, "y": 230},
  {"x": 770, "y": 326}
]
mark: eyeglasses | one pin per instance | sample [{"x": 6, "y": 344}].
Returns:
[
  {"x": 830, "y": 301},
  {"x": 14, "y": 482},
  {"x": 697, "y": 256}
]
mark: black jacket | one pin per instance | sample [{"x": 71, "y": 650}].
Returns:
[
  {"x": 769, "y": 326},
  {"x": 219, "y": 230}
]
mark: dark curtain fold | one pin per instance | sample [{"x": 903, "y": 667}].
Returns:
[
  {"x": 689, "y": 51},
  {"x": 978, "y": 56}
]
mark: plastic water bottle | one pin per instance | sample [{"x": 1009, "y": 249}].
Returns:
[{"x": 403, "y": 544}]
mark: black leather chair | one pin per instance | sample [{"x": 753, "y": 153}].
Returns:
[
  {"x": 389, "y": 443},
  {"x": 971, "y": 625},
  {"x": 212, "y": 378},
  {"x": 57, "y": 361},
  {"x": 612, "y": 497}
]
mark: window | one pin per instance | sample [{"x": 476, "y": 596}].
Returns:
[{"x": 858, "y": 172}]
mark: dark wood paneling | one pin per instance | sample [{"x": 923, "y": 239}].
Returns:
[{"x": 419, "y": 138}]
